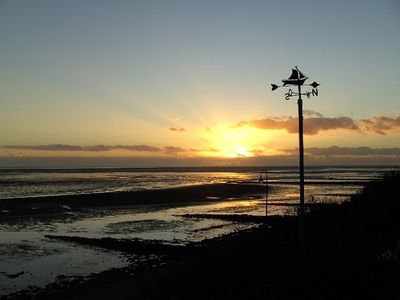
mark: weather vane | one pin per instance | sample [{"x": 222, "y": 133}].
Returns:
[{"x": 298, "y": 79}]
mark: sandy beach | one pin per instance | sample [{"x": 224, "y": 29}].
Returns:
[{"x": 190, "y": 194}]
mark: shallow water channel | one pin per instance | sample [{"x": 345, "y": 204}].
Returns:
[{"x": 31, "y": 260}]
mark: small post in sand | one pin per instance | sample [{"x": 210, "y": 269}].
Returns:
[{"x": 262, "y": 172}]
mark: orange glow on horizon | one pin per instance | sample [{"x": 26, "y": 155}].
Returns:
[
  {"x": 224, "y": 140},
  {"x": 232, "y": 141}
]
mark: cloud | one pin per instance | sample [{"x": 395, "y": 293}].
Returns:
[
  {"x": 181, "y": 161},
  {"x": 312, "y": 126},
  {"x": 51, "y": 147},
  {"x": 140, "y": 148},
  {"x": 178, "y": 129},
  {"x": 346, "y": 151},
  {"x": 209, "y": 149},
  {"x": 92, "y": 148},
  {"x": 309, "y": 112},
  {"x": 172, "y": 150},
  {"x": 381, "y": 124},
  {"x": 169, "y": 150}
]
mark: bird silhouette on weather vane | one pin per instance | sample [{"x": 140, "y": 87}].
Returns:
[{"x": 297, "y": 79}]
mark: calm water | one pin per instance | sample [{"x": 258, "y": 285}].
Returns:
[
  {"x": 22, "y": 183},
  {"x": 29, "y": 259}
]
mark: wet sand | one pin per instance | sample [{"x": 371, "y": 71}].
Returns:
[
  {"x": 347, "y": 256},
  {"x": 58, "y": 204},
  {"x": 78, "y": 233}
]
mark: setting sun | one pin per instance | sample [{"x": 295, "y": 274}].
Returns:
[
  {"x": 242, "y": 152},
  {"x": 231, "y": 141}
]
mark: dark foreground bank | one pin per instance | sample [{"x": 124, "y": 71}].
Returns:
[{"x": 351, "y": 252}]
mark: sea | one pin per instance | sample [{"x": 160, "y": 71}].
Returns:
[
  {"x": 17, "y": 183},
  {"x": 31, "y": 261}
]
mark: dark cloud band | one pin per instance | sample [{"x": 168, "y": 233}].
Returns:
[
  {"x": 92, "y": 148},
  {"x": 312, "y": 126},
  {"x": 178, "y": 129},
  {"x": 347, "y": 151}
]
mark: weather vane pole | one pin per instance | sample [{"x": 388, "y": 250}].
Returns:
[{"x": 298, "y": 79}]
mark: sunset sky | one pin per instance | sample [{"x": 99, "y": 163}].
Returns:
[{"x": 187, "y": 83}]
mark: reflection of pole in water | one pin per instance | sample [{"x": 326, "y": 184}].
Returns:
[{"x": 266, "y": 189}]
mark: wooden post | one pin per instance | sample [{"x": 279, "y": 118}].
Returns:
[
  {"x": 301, "y": 169},
  {"x": 266, "y": 194}
]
